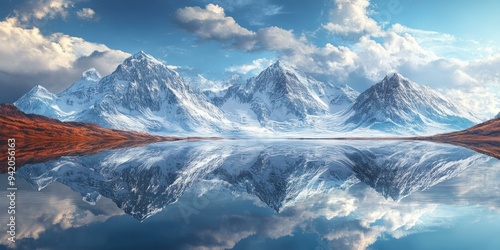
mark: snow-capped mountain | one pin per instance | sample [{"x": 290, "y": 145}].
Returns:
[
  {"x": 142, "y": 94},
  {"x": 80, "y": 95},
  {"x": 397, "y": 104},
  {"x": 40, "y": 101},
  {"x": 282, "y": 93}
]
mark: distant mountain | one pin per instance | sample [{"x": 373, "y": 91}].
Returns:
[
  {"x": 282, "y": 93},
  {"x": 497, "y": 116},
  {"x": 142, "y": 94},
  {"x": 203, "y": 84},
  {"x": 214, "y": 90},
  {"x": 399, "y": 105}
]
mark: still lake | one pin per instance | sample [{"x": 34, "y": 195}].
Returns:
[{"x": 260, "y": 194}]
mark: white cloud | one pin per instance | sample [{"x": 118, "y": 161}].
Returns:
[
  {"x": 485, "y": 70},
  {"x": 482, "y": 100},
  {"x": 28, "y": 51},
  {"x": 255, "y": 67},
  {"x": 86, "y": 13},
  {"x": 377, "y": 59},
  {"x": 350, "y": 16},
  {"x": 422, "y": 35},
  {"x": 447, "y": 45},
  {"x": 173, "y": 67},
  {"x": 211, "y": 23},
  {"x": 253, "y": 11},
  {"x": 43, "y": 9}
]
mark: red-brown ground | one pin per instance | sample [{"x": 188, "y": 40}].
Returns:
[
  {"x": 484, "y": 138},
  {"x": 39, "y": 138}
]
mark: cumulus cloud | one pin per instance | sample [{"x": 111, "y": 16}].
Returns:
[
  {"x": 482, "y": 100},
  {"x": 377, "y": 59},
  {"x": 350, "y": 16},
  {"x": 254, "y": 11},
  {"x": 35, "y": 11},
  {"x": 86, "y": 13},
  {"x": 211, "y": 23},
  {"x": 54, "y": 61}
]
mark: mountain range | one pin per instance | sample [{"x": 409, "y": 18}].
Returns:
[{"x": 143, "y": 94}]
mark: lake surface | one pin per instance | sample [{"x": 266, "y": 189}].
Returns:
[{"x": 269, "y": 194}]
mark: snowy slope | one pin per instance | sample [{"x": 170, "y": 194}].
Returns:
[{"x": 398, "y": 105}]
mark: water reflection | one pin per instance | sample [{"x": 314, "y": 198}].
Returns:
[{"x": 225, "y": 194}]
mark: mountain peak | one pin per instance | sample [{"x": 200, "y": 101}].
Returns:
[
  {"x": 143, "y": 56},
  {"x": 91, "y": 74},
  {"x": 141, "y": 65},
  {"x": 395, "y": 81},
  {"x": 497, "y": 116},
  {"x": 397, "y": 76},
  {"x": 139, "y": 55},
  {"x": 280, "y": 65},
  {"x": 39, "y": 90}
]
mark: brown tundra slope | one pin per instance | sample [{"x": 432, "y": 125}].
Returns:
[
  {"x": 39, "y": 138},
  {"x": 484, "y": 138}
]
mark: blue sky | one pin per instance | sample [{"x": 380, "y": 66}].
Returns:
[{"x": 449, "y": 46}]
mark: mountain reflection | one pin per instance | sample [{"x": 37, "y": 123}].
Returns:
[{"x": 142, "y": 181}]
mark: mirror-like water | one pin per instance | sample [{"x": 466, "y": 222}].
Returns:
[{"x": 262, "y": 195}]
